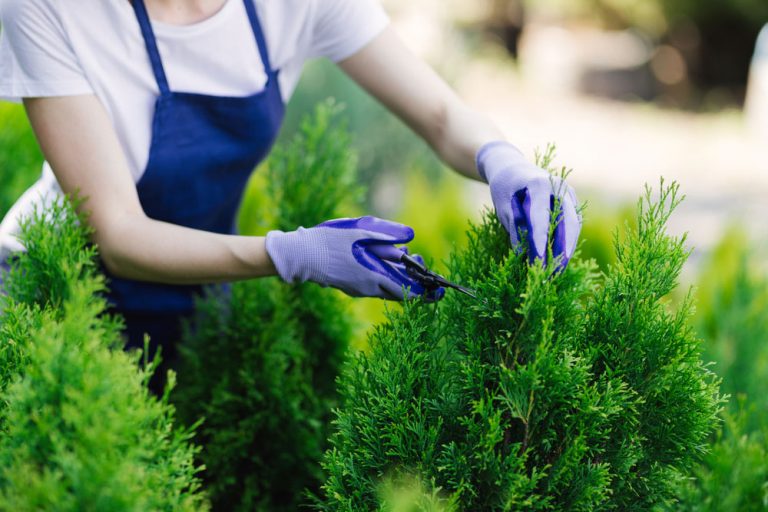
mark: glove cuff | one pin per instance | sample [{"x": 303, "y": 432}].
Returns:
[
  {"x": 495, "y": 156},
  {"x": 299, "y": 256}
]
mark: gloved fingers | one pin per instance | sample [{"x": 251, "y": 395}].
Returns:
[
  {"x": 387, "y": 229},
  {"x": 429, "y": 295},
  {"x": 518, "y": 224},
  {"x": 390, "y": 272},
  {"x": 536, "y": 207},
  {"x": 387, "y": 252},
  {"x": 567, "y": 228},
  {"x": 399, "y": 280},
  {"x": 575, "y": 202},
  {"x": 387, "y": 292},
  {"x": 391, "y": 292},
  {"x": 558, "y": 234},
  {"x": 394, "y": 289},
  {"x": 566, "y": 232},
  {"x": 374, "y": 228},
  {"x": 434, "y": 295},
  {"x": 572, "y": 222}
]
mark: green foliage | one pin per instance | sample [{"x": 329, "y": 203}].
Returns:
[
  {"x": 408, "y": 494},
  {"x": 732, "y": 316},
  {"x": 656, "y": 16},
  {"x": 598, "y": 230},
  {"x": 309, "y": 178},
  {"x": 733, "y": 475},
  {"x": 569, "y": 391},
  {"x": 752, "y": 13},
  {"x": 20, "y": 158},
  {"x": 260, "y": 363},
  {"x": 79, "y": 428},
  {"x": 671, "y": 397},
  {"x": 41, "y": 279},
  {"x": 438, "y": 212}
]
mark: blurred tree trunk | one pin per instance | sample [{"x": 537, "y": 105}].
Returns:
[{"x": 507, "y": 18}]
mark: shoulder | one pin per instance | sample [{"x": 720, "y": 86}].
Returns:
[
  {"x": 31, "y": 17},
  {"x": 341, "y": 27},
  {"x": 12, "y": 11}
]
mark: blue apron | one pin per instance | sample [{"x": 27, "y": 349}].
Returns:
[{"x": 203, "y": 150}]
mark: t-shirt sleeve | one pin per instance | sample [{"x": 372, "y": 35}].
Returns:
[
  {"x": 342, "y": 27},
  {"x": 36, "y": 58}
]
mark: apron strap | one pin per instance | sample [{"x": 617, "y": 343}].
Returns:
[
  {"x": 250, "y": 7},
  {"x": 154, "y": 54},
  {"x": 151, "y": 43}
]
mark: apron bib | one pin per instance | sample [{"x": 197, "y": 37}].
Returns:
[{"x": 203, "y": 151}]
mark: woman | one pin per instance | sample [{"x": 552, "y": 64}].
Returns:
[{"x": 157, "y": 111}]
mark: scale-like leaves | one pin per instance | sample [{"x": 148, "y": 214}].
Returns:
[{"x": 553, "y": 391}]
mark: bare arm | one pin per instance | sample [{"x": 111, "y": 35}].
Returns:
[
  {"x": 78, "y": 140},
  {"x": 410, "y": 89},
  {"x": 413, "y": 91}
]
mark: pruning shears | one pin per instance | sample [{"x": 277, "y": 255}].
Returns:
[{"x": 428, "y": 279}]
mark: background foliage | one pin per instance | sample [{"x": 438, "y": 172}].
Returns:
[
  {"x": 733, "y": 319},
  {"x": 20, "y": 158}
]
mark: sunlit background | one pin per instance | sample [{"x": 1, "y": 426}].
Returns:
[{"x": 628, "y": 91}]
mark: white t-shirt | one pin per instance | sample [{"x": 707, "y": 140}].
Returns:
[{"x": 73, "y": 47}]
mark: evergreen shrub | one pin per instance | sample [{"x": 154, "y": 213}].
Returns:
[
  {"x": 567, "y": 391},
  {"x": 79, "y": 430},
  {"x": 260, "y": 362}
]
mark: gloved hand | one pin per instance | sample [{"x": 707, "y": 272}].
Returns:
[
  {"x": 357, "y": 256},
  {"x": 524, "y": 196}
]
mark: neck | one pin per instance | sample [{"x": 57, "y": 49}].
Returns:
[{"x": 183, "y": 12}]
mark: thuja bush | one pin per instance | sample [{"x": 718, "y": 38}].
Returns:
[
  {"x": 40, "y": 279},
  {"x": 79, "y": 430},
  {"x": 260, "y": 361},
  {"x": 551, "y": 391}
]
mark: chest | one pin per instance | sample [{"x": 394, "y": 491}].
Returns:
[{"x": 217, "y": 56}]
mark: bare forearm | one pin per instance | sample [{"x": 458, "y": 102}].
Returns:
[
  {"x": 140, "y": 248},
  {"x": 414, "y": 92},
  {"x": 78, "y": 140},
  {"x": 464, "y": 133}
]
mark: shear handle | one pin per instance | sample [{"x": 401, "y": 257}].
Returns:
[{"x": 428, "y": 279}]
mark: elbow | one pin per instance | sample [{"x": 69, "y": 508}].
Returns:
[
  {"x": 111, "y": 262},
  {"x": 111, "y": 257},
  {"x": 114, "y": 243}
]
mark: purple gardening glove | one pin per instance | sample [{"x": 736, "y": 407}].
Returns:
[
  {"x": 524, "y": 195},
  {"x": 357, "y": 256}
]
